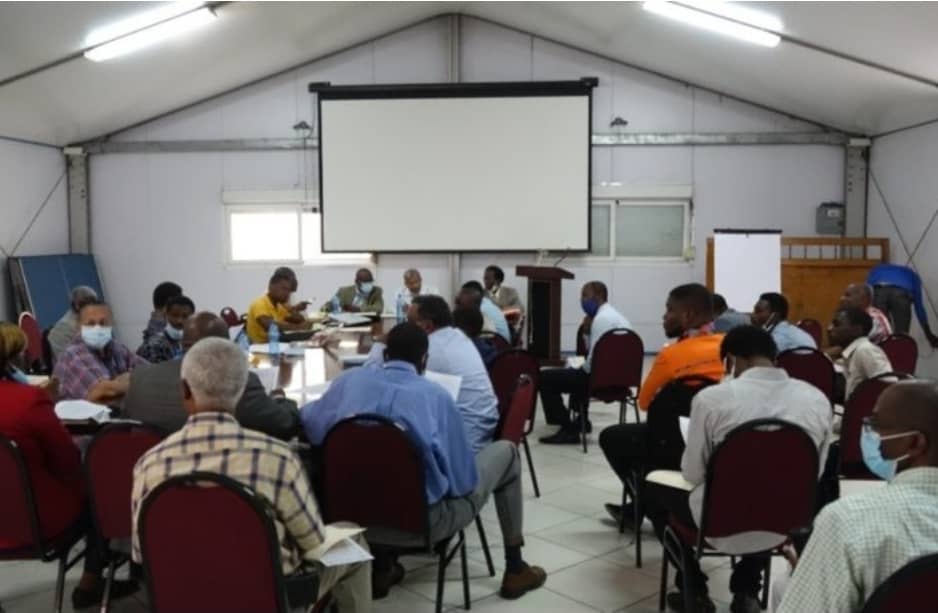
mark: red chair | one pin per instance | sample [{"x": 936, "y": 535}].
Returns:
[
  {"x": 810, "y": 365},
  {"x": 109, "y": 466},
  {"x": 383, "y": 488},
  {"x": 814, "y": 328},
  {"x": 910, "y": 588},
  {"x": 230, "y": 316},
  {"x": 859, "y": 406},
  {"x": 504, "y": 372},
  {"x": 33, "y": 352},
  {"x": 19, "y": 520},
  {"x": 902, "y": 351},
  {"x": 209, "y": 544},
  {"x": 776, "y": 464},
  {"x": 496, "y": 341}
]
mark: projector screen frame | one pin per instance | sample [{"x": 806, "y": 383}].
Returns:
[{"x": 504, "y": 89}]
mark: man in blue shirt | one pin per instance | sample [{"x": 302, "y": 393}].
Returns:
[
  {"x": 895, "y": 289},
  {"x": 771, "y": 314},
  {"x": 458, "y": 481},
  {"x": 472, "y": 294},
  {"x": 469, "y": 320}
]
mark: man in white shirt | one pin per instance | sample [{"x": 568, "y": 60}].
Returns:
[
  {"x": 554, "y": 382},
  {"x": 413, "y": 287},
  {"x": 862, "y": 359},
  {"x": 862, "y": 539},
  {"x": 860, "y": 295},
  {"x": 758, "y": 390}
]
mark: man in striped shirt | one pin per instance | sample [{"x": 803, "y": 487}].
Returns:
[
  {"x": 214, "y": 374},
  {"x": 860, "y": 295}
]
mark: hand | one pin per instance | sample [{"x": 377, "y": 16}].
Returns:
[
  {"x": 351, "y": 308},
  {"x": 301, "y": 306}
]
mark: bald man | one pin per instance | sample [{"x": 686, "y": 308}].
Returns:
[
  {"x": 154, "y": 396},
  {"x": 862, "y": 539},
  {"x": 413, "y": 287},
  {"x": 363, "y": 296},
  {"x": 860, "y": 295}
]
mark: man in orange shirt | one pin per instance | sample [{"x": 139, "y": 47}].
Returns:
[{"x": 688, "y": 317}]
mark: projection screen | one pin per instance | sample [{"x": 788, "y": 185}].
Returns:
[{"x": 455, "y": 168}]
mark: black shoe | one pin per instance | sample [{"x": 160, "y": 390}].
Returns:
[
  {"x": 616, "y": 512},
  {"x": 82, "y": 599},
  {"x": 704, "y": 604},
  {"x": 744, "y": 603},
  {"x": 382, "y": 582},
  {"x": 562, "y": 437}
]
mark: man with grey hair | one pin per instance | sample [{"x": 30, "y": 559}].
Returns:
[
  {"x": 65, "y": 329},
  {"x": 860, "y": 295},
  {"x": 413, "y": 287},
  {"x": 214, "y": 375}
]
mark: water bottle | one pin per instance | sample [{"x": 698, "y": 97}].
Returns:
[
  {"x": 273, "y": 339},
  {"x": 336, "y": 305},
  {"x": 243, "y": 341}
]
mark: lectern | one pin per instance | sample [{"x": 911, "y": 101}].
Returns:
[{"x": 544, "y": 310}]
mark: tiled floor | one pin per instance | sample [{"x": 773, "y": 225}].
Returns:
[{"x": 590, "y": 566}]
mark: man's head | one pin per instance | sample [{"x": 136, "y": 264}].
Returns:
[
  {"x": 95, "y": 320},
  {"x": 430, "y": 313},
  {"x": 906, "y": 416},
  {"x": 286, "y": 271},
  {"x": 744, "y": 347},
  {"x": 203, "y": 325},
  {"x": 12, "y": 345},
  {"x": 81, "y": 295},
  {"x": 859, "y": 295},
  {"x": 849, "y": 325},
  {"x": 407, "y": 342},
  {"x": 689, "y": 306},
  {"x": 493, "y": 277},
  {"x": 163, "y": 292},
  {"x": 214, "y": 374},
  {"x": 412, "y": 281},
  {"x": 364, "y": 281},
  {"x": 280, "y": 287},
  {"x": 178, "y": 310},
  {"x": 469, "y": 320},
  {"x": 470, "y": 296},
  {"x": 719, "y": 305},
  {"x": 592, "y": 296},
  {"x": 769, "y": 309}
]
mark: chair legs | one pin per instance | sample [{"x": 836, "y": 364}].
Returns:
[
  {"x": 527, "y": 453},
  {"x": 485, "y": 546},
  {"x": 60, "y": 582},
  {"x": 767, "y": 572},
  {"x": 445, "y": 557},
  {"x": 465, "y": 572},
  {"x": 583, "y": 426},
  {"x": 663, "y": 588},
  {"x": 108, "y": 583}
]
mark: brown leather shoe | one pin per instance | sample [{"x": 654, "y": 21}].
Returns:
[{"x": 516, "y": 585}]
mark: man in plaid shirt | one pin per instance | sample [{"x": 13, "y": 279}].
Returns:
[{"x": 214, "y": 374}]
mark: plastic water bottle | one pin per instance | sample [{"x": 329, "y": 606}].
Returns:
[
  {"x": 336, "y": 306},
  {"x": 273, "y": 339},
  {"x": 243, "y": 341}
]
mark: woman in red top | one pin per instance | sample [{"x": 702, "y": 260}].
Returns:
[{"x": 53, "y": 461}]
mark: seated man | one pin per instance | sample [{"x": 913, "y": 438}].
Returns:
[
  {"x": 413, "y": 287},
  {"x": 472, "y": 295},
  {"x": 273, "y": 308},
  {"x": 862, "y": 359},
  {"x": 66, "y": 328},
  {"x": 452, "y": 353},
  {"x": 758, "y": 390},
  {"x": 94, "y": 366},
  {"x": 154, "y": 396},
  {"x": 555, "y": 382},
  {"x": 504, "y": 297},
  {"x": 469, "y": 320},
  {"x": 771, "y": 313},
  {"x": 862, "y": 539},
  {"x": 860, "y": 295},
  {"x": 165, "y": 345},
  {"x": 298, "y": 308},
  {"x": 688, "y": 318},
  {"x": 364, "y": 296},
  {"x": 161, "y": 294},
  {"x": 725, "y": 318},
  {"x": 459, "y": 480},
  {"x": 214, "y": 373}
]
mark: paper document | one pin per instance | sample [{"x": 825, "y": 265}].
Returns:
[
  {"x": 268, "y": 377},
  {"x": 338, "y": 547},
  {"x": 450, "y": 383},
  {"x": 576, "y": 361},
  {"x": 81, "y": 410},
  {"x": 670, "y": 478},
  {"x": 684, "y": 424},
  {"x": 350, "y": 319},
  {"x": 355, "y": 359},
  {"x": 285, "y": 349},
  {"x": 37, "y": 379}
]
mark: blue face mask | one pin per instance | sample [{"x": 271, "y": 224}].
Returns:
[
  {"x": 590, "y": 306},
  {"x": 174, "y": 334},
  {"x": 96, "y": 337},
  {"x": 366, "y": 287},
  {"x": 884, "y": 468}
]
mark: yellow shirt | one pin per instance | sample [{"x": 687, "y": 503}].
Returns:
[{"x": 259, "y": 308}]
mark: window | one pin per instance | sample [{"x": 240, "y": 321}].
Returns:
[{"x": 640, "y": 229}]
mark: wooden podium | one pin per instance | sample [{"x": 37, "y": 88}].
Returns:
[{"x": 544, "y": 310}]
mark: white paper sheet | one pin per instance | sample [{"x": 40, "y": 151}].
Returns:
[
  {"x": 350, "y": 319},
  {"x": 575, "y": 361},
  {"x": 670, "y": 478},
  {"x": 684, "y": 424},
  {"x": 37, "y": 379},
  {"x": 346, "y": 552},
  {"x": 450, "y": 383},
  {"x": 268, "y": 377},
  {"x": 339, "y": 537},
  {"x": 285, "y": 349},
  {"x": 79, "y": 410}
]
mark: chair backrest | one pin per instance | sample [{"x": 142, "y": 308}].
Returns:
[
  {"x": 902, "y": 351},
  {"x": 910, "y": 588},
  {"x": 109, "y": 467},
  {"x": 19, "y": 518},
  {"x": 809, "y": 365},
  {"x": 48, "y": 358},
  {"x": 665, "y": 443},
  {"x": 512, "y": 426},
  {"x": 616, "y": 365},
  {"x": 374, "y": 476},
  {"x": 209, "y": 544},
  {"x": 230, "y": 316},
  {"x": 860, "y": 405},
  {"x": 814, "y": 328},
  {"x": 504, "y": 372},
  {"x": 762, "y": 477},
  {"x": 582, "y": 347},
  {"x": 33, "y": 352}
]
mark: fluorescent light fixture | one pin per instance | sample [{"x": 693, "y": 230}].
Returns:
[
  {"x": 695, "y": 16},
  {"x": 146, "y": 29}
]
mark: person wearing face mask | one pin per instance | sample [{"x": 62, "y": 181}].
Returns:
[
  {"x": 771, "y": 313},
  {"x": 862, "y": 539},
  {"x": 66, "y": 328},
  {"x": 458, "y": 480},
  {"x": 94, "y": 366},
  {"x": 364, "y": 296},
  {"x": 413, "y": 287},
  {"x": 554, "y": 382},
  {"x": 166, "y": 345},
  {"x": 754, "y": 389}
]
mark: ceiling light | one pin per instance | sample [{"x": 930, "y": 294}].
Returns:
[
  {"x": 705, "y": 15},
  {"x": 146, "y": 29}
]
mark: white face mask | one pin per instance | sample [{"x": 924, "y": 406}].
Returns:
[{"x": 96, "y": 337}]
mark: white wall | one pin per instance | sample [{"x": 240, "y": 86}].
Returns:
[
  {"x": 28, "y": 173},
  {"x": 172, "y": 201},
  {"x": 904, "y": 166}
]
